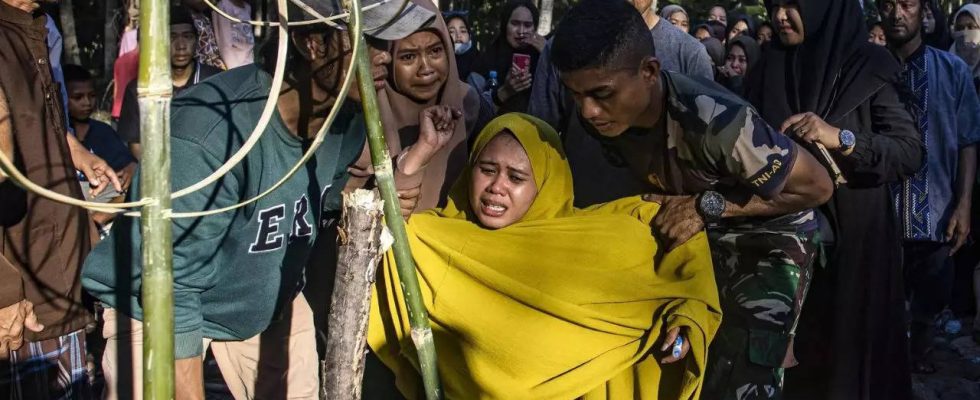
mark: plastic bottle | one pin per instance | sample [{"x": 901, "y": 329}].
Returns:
[
  {"x": 492, "y": 82},
  {"x": 947, "y": 323}
]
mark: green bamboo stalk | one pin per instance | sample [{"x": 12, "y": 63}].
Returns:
[
  {"x": 154, "y": 88},
  {"x": 380, "y": 157}
]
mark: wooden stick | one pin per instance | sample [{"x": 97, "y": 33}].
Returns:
[{"x": 359, "y": 238}]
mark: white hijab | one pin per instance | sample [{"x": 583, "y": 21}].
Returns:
[{"x": 967, "y": 43}]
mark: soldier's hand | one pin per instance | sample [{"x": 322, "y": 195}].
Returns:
[{"x": 678, "y": 220}]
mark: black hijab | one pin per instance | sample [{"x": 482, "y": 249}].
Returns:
[
  {"x": 748, "y": 22},
  {"x": 716, "y": 29},
  {"x": 498, "y": 55},
  {"x": 940, "y": 37},
  {"x": 715, "y": 49},
  {"x": 831, "y": 73},
  {"x": 751, "y": 48},
  {"x": 465, "y": 61}
]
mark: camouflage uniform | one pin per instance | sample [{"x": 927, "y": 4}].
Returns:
[
  {"x": 713, "y": 140},
  {"x": 762, "y": 281}
]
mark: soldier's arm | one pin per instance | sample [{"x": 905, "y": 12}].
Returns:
[
  {"x": 807, "y": 186},
  {"x": 777, "y": 178}
]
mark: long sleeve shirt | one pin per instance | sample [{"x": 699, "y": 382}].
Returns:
[{"x": 42, "y": 242}]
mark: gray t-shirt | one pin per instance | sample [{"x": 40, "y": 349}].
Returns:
[
  {"x": 596, "y": 180},
  {"x": 680, "y": 52}
]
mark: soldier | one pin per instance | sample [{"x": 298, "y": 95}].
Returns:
[{"x": 711, "y": 160}]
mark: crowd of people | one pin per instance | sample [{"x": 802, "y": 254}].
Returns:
[{"x": 639, "y": 205}]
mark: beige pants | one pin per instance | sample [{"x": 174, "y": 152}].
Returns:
[{"x": 280, "y": 363}]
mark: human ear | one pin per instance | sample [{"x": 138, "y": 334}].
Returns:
[{"x": 650, "y": 69}]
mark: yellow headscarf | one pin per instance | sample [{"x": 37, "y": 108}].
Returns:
[{"x": 565, "y": 303}]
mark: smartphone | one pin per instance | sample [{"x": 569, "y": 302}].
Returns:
[{"x": 522, "y": 61}]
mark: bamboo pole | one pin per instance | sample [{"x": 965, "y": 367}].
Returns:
[
  {"x": 154, "y": 88},
  {"x": 417, "y": 314},
  {"x": 360, "y": 241}
]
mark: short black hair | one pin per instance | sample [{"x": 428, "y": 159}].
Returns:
[
  {"x": 601, "y": 33},
  {"x": 269, "y": 49},
  {"x": 460, "y": 17},
  {"x": 179, "y": 15},
  {"x": 75, "y": 73}
]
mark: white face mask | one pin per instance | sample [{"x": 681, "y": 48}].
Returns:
[
  {"x": 460, "y": 48},
  {"x": 968, "y": 45}
]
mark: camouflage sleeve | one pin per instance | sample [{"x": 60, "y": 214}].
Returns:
[{"x": 752, "y": 152}]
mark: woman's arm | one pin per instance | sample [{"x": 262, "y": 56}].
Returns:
[{"x": 891, "y": 152}]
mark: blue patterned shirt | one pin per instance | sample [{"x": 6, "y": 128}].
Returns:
[{"x": 945, "y": 106}]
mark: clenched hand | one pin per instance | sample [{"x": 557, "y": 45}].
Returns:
[{"x": 678, "y": 220}]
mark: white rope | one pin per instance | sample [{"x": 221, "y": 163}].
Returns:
[
  {"x": 8, "y": 168},
  {"x": 317, "y": 141},
  {"x": 320, "y": 18},
  {"x": 267, "y": 113}
]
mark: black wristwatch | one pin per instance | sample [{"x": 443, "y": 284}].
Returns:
[
  {"x": 847, "y": 140},
  {"x": 711, "y": 206}
]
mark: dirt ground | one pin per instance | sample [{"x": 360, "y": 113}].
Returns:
[{"x": 957, "y": 377}]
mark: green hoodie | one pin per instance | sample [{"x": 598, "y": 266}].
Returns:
[{"x": 233, "y": 271}]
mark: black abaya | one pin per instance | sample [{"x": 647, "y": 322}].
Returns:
[{"x": 851, "y": 341}]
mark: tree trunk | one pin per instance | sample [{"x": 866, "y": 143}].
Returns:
[
  {"x": 111, "y": 34},
  {"x": 68, "y": 34},
  {"x": 547, "y": 8},
  {"x": 359, "y": 239}
]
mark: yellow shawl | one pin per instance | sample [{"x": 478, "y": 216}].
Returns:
[{"x": 564, "y": 304}]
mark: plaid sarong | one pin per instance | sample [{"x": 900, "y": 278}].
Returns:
[{"x": 49, "y": 369}]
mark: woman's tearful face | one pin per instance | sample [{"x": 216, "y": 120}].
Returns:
[
  {"x": 421, "y": 65},
  {"x": 502, "y": 183}
]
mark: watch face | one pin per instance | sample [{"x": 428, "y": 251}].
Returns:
[
  {"x": 712, "y": 205},
  {"x": 847, "y": 138}
]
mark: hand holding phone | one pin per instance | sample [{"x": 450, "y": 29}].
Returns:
[{"x": 522, "y": 62}]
